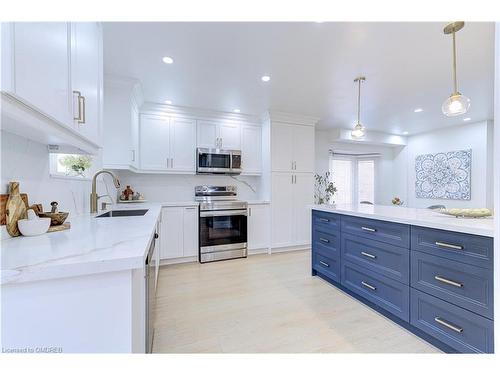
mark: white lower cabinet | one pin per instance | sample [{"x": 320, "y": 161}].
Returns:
[
  {"x": 292, "y": 193},
  {"x": 258, "y": 226},
  {"x": 179, "y": 232}
]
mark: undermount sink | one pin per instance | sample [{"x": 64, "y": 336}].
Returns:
[{"x": 118, "y": 213}]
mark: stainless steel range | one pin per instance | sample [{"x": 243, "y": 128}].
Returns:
[{"x": 223, "y": 223}]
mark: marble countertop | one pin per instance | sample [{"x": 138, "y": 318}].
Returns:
[
  {"x": 92, "y": 245},
  {"x": 415, "y": 216}
]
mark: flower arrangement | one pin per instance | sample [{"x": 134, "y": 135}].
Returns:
[
  {"x": 324, "y": 190},
  {"x": 76, "y": 164}
]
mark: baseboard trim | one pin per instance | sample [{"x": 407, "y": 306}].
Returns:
[
  {"x": 166, "y": 262},
  {"x": 289, "y": 248}
]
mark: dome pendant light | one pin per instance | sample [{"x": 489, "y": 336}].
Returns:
[
  {"x": 457, "y": 104},
  {"x": 359, "y": 130}
]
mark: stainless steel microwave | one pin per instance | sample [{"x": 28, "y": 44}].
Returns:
[{"x": 218, "y": 161}]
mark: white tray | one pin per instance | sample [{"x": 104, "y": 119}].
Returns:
[{"x": 133, "y": 201}]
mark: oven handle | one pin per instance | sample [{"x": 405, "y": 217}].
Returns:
[{"x": 223, "y": 213}]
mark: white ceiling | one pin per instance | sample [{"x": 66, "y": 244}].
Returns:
[{"x": 312, "y": 66}]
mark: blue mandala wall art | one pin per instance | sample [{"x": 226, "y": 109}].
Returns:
[{"x": 445, "y": 175}]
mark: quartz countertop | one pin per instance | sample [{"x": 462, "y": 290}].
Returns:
[
  {"x": 92, "y": 245},
  {"x": 415, "y": 216}
]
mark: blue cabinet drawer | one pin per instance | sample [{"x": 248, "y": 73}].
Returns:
[
  {"x": 384, "y": 292},
  {"x": 466, "y": 248},
  {"x": 388, "y": 260},
  {"x": 325, "y": 221},
  {"x": 327, "y": 266},
  {"x": 392, "y": 233},
  {"x": 467, "y": 286},
  {"x": 326, "y": 243},
  {"x": 461, "y": 329}
]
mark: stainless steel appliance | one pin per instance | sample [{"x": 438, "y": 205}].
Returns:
[
  {"x": 222, "y": 223},
  {"x": 150, "y": 294},
  {"x": 218, "y": 161}
]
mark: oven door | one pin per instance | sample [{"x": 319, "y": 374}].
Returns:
[
  {"x": 223, "y": 230},
  {"x": 213, "y": 161}
]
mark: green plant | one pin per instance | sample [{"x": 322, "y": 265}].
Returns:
[
  {"x": 324, "y": 190},
  {"x": 76, "y": 164}
]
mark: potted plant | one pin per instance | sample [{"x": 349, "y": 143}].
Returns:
[
  {"x": 324, "y": 190},
  {"x": 76, "y": 164}
]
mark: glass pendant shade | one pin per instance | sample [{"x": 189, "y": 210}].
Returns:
[
  {"x": 457, "y": 104},
  {"x": 358, "y": 132}
]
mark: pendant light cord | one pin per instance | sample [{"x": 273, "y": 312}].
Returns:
[
  {"x": 455, "y": 65},
  {"x": 359, "y": 98}
]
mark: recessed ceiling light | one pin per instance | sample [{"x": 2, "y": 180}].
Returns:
[
  {"x": 417, "y": 110},
  {"x": 168, "y": 102},
  {"x": 467, "y": 119},
  {"x": 265, "y": 78},
  {"x": 168, "y": 60},
  {"x": 405, "y": 133},
  {"x": 236, "y": 110}
]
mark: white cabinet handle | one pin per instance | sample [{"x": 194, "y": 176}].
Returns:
[
  {"x": 450, "y": 246},
  {"x": 453, "y": 327},
  {"x": 133, "y": 155},
  {"x": 171, "y": 162},
  {"x": 368, "y": 255},
  {"x": 365, "y": 284},
  {"x": 249, "y": 211},
  {"x": 325, "y": 240},
  {"x": 366, "y": 229},
  {"x": 448, "y": 281},
  {"x": 324, "y": 264}
]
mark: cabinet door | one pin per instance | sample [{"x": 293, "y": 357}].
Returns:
[
  {"x": 86, "y": 66},
  {"x": 42, "y": 76},
  {"x": 183, "y": 145},
  {"x": 190, "y": 234},
  {"x": 230, "y": 135},
  {"x": 154, "y": 142},
  {"x": 282, "y": 209},
  {"x": 281, "y": 147},
  {"x": 172, "y": 222},
  {"x": 258, "y": 226},
  {"x": 303, "y": 148},
  {"x": 251, "y": 150},
  {"x": 207, "y": 134},
  {"x": 303, "y": 196},
  {"x": 134, "y": 132}
]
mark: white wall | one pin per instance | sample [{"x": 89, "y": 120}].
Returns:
[
  {"x": 473, "y": 136},
  {"x": 172, "y": 188}
]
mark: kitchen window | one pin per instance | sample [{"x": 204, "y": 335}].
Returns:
[
  {"x": 72, "y": 166},
  {"x": 354, "y": 177}
]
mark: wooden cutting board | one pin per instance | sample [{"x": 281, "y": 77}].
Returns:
[{"x": 3, "y": 203}]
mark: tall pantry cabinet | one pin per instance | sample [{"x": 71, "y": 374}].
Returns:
[{"x": 291, "y": 178}]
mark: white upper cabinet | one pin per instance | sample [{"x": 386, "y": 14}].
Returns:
[
  {"x": 154, "y": 143},
  {"x": 219, "y": 135},
  {"x": 167, "y": 144},
  {"x": 86, "y": 57},
  {"x": 292, "y": 148},
  {"x": 183, "y": 145},
  {"x": 134, "y": 139},
  {"x": 251, "y": 150},
  {"x": 41, "y": 69}
]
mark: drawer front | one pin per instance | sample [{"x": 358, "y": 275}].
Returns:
[
  {"x": 380, "y": 257},
  {"x": 466, "y": 286},
  {"x": 380, "y": 290},
  {"x": 326, "y": 243},
  {"x": 466, "y": 248},
  {"x": 461, "y": 329},
  {"x": 329, "y": 267},
  {"x": 325, "y": 221},
  {"x": 392, "y": 233}
]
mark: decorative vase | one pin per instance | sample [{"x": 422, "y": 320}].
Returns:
[{"x": 15, "y": 209}]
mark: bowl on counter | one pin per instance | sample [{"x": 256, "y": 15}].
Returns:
[
  {"x": 56, "y": 218},
  {"x": 33, "y": 227}
]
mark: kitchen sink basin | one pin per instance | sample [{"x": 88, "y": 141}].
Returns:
[{"x": 120, "y": 213}]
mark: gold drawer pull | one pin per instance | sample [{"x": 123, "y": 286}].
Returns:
[
  {"x": 368, "y": 285},
  {"x": 447, "y": 281},
  {"x": 450, "y": 246},
  {"x": 324, "y": 240},
  {"x": 324, "y": 220},
  {"x": 448, "y": 325},
  {"x": 368, "y": 229},
  {"x": 324, "y": 264},
  {"x": 368, "y": 255}
]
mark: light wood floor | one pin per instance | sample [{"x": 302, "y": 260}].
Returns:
[{"x": 267, "y": 304}]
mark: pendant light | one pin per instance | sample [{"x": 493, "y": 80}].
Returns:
[
  {"x": 457, "y": 104},
  {"x": 359, "y": 130}
]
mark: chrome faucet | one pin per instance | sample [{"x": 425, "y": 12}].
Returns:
[{"x": 93, "y": 196}]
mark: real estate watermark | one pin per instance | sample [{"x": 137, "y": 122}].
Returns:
[{"x": 36, "y": 349}]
